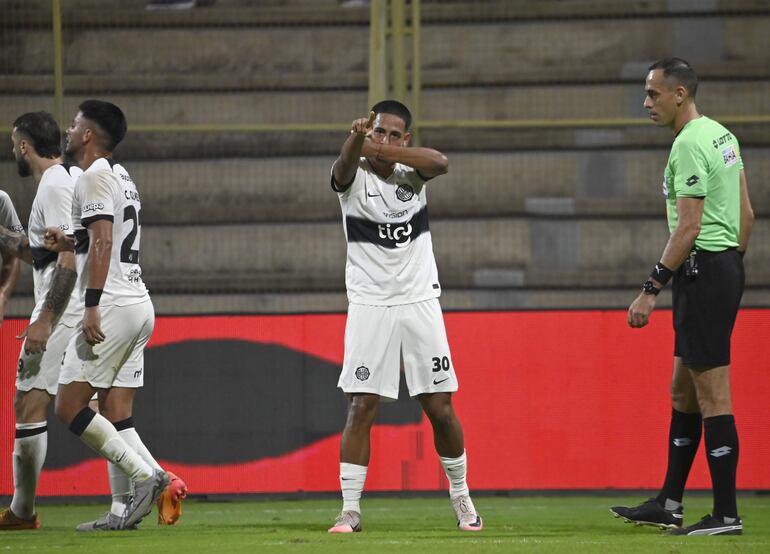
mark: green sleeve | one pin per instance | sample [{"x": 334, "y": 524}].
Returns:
[{"x": 691, "y": 177}]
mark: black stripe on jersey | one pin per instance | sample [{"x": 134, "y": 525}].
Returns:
[
  {"x": 388, "y": 235},
  {"x": 41, "y": 257},
  {"x": 81, "y": 241},
  {"x": 86, "y": 221}
]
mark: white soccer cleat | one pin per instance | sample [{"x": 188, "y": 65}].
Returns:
[
  {"x": 465, "y": 512},
  {"x": 347, "y": 522}
]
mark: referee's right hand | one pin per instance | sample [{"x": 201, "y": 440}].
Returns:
[{"x": 640, "y": 310}]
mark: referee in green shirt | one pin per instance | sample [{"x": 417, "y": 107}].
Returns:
[{"x": 710, "y": 219}]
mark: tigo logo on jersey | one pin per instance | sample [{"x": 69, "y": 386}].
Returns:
[
  {"x": 400, "y": 234},
  {"x": 729, "y": 156}
]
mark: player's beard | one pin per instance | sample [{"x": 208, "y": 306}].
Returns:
[{"x": 23, "y": 166}]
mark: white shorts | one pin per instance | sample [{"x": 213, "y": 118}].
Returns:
[
  {"x": 119, "y": 360},
  {"x": 378, "y": 339},
  {"x": 41, "y": 371}
]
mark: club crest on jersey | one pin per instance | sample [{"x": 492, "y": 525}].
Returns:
[
  {"x": 404, "y": 193},
  {"x": 400, "y": 234},
  {"x": 362, "y": 373}
]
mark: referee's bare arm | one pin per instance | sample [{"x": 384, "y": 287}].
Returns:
[
  {"x": 747, "y": 215},
  {"x": 429, "y": 162},
  {"x": 346, "y": 165},
  {"x": 683, "y": 237}
]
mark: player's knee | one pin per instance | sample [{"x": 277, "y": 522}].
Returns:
[
  {"x": 361, "y": 413},
  {"x": 62, "y": 411}
]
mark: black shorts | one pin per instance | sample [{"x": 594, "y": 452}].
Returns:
[{"x": 705, "y": 308}]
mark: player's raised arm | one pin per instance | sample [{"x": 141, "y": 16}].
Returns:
[
  {"x": 429, "y": 162},
  {"x": 346, "y": 165}
]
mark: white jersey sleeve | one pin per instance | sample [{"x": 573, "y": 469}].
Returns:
[
  {"x": 8, "y": 216},
  {"x": 97, "y": 197}
]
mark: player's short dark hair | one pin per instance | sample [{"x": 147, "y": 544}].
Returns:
[
  {"x": 681, "y": 71},
  {"x": 396, "y": 108},
  {"x": 42, "y": 131},
  {"x": 108, "y": 117}
]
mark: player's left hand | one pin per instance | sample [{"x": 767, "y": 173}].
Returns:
[
  {"x": 640, "y": 310},
  {"x": 37, "y": 334},
  {"x": 92, "y": 326}
]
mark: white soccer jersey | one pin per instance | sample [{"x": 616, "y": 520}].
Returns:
[
  {"x": 52, "y": 207},
  {"x": 390, "y": 253},
  {"x": 106, "y": 191},
  {"x": 8, "y": 216}
]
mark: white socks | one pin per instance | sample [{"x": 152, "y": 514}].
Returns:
[
  {"x": 456, "y": 469},
  {"x": 29, "y": 449},
  {"x": 102, "y": 436},
  {"x": 120, "y": 483},
  {"x": 132, "y": 439},
  {"x": 352, "y": 478}
]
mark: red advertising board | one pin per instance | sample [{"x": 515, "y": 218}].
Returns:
[{"x": 547, "y": 399}]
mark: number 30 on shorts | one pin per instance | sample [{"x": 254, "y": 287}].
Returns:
[{"x": 440, "y": 363}]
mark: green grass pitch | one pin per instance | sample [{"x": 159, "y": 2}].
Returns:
[{"x": 550, "y": 524}]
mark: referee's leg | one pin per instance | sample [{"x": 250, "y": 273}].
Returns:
[{"x": 714, "y": 398}]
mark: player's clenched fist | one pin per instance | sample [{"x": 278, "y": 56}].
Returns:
[{"x": 362, "y": 125}]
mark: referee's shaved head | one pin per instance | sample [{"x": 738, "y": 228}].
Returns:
[
  {"x": 394, "y": 107},
  {"x": 109, "y": 118},
  {"x": 680, "y": 71}
]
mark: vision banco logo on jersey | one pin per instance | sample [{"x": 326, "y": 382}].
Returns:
[{"x": 400, "y": 234}]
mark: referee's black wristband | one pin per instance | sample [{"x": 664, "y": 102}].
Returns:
[
  {"x": 661, "y": 274},
  {"x": 93, "y": 296}
]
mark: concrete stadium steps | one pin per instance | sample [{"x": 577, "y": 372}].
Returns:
[
  {"x": 549, "y": 102},
  {"x": 257, "y": 47},
  {"x": 622, "y": 183},
  {"x": 471, "y": 253}
]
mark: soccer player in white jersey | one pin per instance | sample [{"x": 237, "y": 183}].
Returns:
[
  {"x": 394, "y": 316},
  {"x": 106, "y": 355},
  {"x": 9, "y": 272},
  {"x": 37, "y": 148}
]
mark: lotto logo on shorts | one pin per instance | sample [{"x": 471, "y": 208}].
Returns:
[{"x": 362, "y": 373}]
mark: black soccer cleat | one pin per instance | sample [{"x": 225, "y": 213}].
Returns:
[
  {"x": 650, "y": 512},
  {"x": 711, "y": 525}
]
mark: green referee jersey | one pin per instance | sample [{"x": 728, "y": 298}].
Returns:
[{"x": 705, "y": 162}]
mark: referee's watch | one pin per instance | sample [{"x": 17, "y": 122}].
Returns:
[{"x": 649, "y": 288}]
